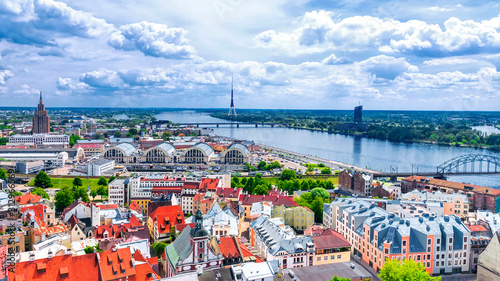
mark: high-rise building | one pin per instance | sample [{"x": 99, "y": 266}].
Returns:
[
  {"x": 358, "y": 114},
  {"x": 41, "y": 120}
]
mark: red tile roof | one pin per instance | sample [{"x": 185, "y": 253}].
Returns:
[
  {"x": 191, "y": 185},
  {"x": 115, "y": 230},
  {"x": 166, "y": 217},
  {"x": 135, "y": 207},
  {"x": 330, "y": 239},
  {"x": 287, "y": 201},
  {"x": 116, "y": 264},
  {"x": 3, "y": 253},
  {"x": 89, "y": 145},
  {"x": 476, "y": 228},
  {"x": 180, "y": 227},
  {"x": 107, "y": 206},
  {"x": 38, "y": 209},
  {"x": 454, "y": 185},
  {"x": 229, "y": 192},
  {"x": 228, "y": 248},
  {"x": 64, "y": 267},
  {"x": 27, "y": 198},
  {"x": 144, "y": 272},
  {"x": 209, "y": 184},
  {"x": 60, "y": 228}
]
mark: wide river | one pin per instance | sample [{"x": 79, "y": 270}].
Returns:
[{"x": 354, "y": 150}]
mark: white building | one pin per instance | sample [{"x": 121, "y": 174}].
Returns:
[
  {"x": 493, "y": 219},
  {"x": 56, "y": 158},
  {"x": 251, "y": 271},
  {"x": 99, "y": 167},
  {"x": 116, "y": 191},
  {"x": 219, "y": 222},
  {"x": 53, "y": 140}
]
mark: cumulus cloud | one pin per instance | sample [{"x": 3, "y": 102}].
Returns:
[
  {"x": 152, "y": 39},
  {"x": 387, "y": 67},
  {"x": 332, "y": 59},
  {"x": 319, "y": 31},
  {"x": 102, "y": 78},
  {"x": 4, "y": 76}
]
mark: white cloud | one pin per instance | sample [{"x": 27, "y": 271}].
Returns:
[
  {"x": 319, "y": 31},
  {"x": 4, "y": 76},
  {"x": 387, "y": 67},
  {"x": 102, "y": 78},
  {"x": 153, "y": 39}
]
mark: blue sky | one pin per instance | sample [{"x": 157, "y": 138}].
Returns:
[{"x": 432, "y": 55}]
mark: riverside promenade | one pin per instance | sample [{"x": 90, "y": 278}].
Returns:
[{"x": 330, "y": 163}]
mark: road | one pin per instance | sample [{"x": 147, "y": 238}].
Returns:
[{"x": 459, "y": 277}]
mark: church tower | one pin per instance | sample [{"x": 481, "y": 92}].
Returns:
[{"x": 41, "y": 120}]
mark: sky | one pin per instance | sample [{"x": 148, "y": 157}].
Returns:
[{"x": 302, "y": 54}]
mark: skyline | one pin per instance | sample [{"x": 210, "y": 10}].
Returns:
[{"x": 391, "y": 55}]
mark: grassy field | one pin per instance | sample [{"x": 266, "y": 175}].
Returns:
[{"x": 60, "y": 183}]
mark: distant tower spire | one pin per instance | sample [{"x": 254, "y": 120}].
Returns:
[
  {"x": 40, "y": 95},
  {"x": 232, "y": 110}
]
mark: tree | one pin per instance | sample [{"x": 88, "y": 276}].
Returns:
[
  {"x": 81, "y": 192},
  {"x": 326, "y": 171},
  {"x": 15, "y": 193},
  {"x": 395, "y": 270},
  {"x": 42, "y": 180},
  {"x": 93, "y": 192},
  {"x": 112, "y": 178},
  {"x": 336, "y": 278},
  {"x": 288, "y": 174},
  {"x": 73, "y": 139},
  {"x": 133, "y": 131},
  {"x": 262, "y": 165},
  {"x": 3, "y": 173},
  {"x": 63, "y": 198},
  {"x": 102, "y": 181},
  {"x": 304, "y": 186},
  {"x": 260, "y": 189},
  {"x": 248, "y": 186},
  {"x": 40, "y": 192},
  {"x": 118, "y": 134},
  {"x": 321, "y": 192},
  {"x": 102, "y": 190},
  {"x": 77, "y": 182},
  {"x": 159, "y": 248},
  {"x": 166, "y": 136}
]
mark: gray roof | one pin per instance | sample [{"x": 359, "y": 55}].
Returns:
[
  {"x": 127, "y": 148},
  {"x": 207, "y": 149},
  {"x": 240, "y": 147},
  {"x": 293, "y": 245},
  {"x": 166, "y": 147},
  {"x": 180, "y": 249}
]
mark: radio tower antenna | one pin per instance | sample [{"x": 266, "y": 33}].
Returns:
[{"x": 232, "y": 110}]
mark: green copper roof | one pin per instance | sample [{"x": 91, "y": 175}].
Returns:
[{"x": 180, "y": 248}]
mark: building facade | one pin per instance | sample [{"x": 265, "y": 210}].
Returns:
[
  {"x": 41, "y": 119},
  {"x": 299, "y": 218}
]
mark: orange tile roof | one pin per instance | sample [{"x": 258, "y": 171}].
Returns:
[
  {"x": 116, "y": 264},
  {"x": 63, "y": 267},
  {"x": 60, "y": 228},
  {"x": 330, "y": 239},
  {"x": 454, "y": 185},
  {"x": 167, "y": 216},
  {"x": 209, "y": 184},
  {"x": 228, "y": 248},
  {"x": 476, "y": 228},
  {"x": 107, "y": 206},
  {"x": 37, "y": 209},
  {"x": 144, "y": 272},
  {"x": 27, "y": 198},
  {"x": 135, "y": 207}
]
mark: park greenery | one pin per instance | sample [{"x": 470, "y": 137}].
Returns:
[
  {"x": 314, "y": 200},
  {"x": 40, "y": 192},
  {"x": 395, "y": 270}
]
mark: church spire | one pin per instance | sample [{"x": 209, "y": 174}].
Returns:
[{"x": 40, "y": 95}]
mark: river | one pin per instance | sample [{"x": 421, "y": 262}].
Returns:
[{"x": 353, "y": 150}]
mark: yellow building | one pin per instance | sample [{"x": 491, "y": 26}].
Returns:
[
  {"x": 331, "y": 247},
  {"x": 144, "y": 203},
  {"x": 299, "y": 218}
]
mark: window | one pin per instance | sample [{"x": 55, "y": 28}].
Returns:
[
  {"x": 339, "y": 256},
  {"x": 325, "y": 258},
  {"x": 429, "y": 241},
  {"x": 318, "y": 259},
  {"x": 332, "y": 257},
  {"x": 200, "y": 256},
  {"x": 437, "y": 263},
  {"x": 200, "y": 245},
  {"x": 439, "y": 241},
  {"x": 404, "y": 243}
]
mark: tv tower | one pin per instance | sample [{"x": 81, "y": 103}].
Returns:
[{"x": 232, "y": 110}]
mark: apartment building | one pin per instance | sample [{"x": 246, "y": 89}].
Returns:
[
  {"x": 300, "y": 218},
  {"x": 453, "y": 203},
  {"x": 276, "y": 241},
  {"x": 441, "y": 243},
  {"x": 480, "y": 197}
]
